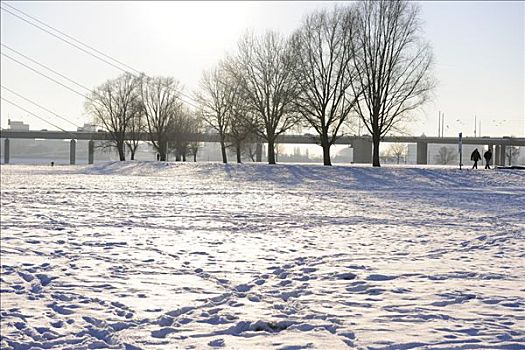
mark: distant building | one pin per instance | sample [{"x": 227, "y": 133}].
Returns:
[
  {"x": 87, "y": 128},
  {"x": 16, "y": 125}
]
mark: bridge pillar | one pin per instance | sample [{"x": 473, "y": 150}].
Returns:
[
  {"x": 502, "y": 155},
  {"x": 258, "y": 152},
  {"x": 72, "y": 151},
  {"x": 362, "y": 151},
  {"x": 422, "y": 153},
  {"x": 91, "y": 151},
  {"x": 6, "y": 151}
]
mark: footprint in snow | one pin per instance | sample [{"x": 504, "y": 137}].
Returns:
[
  {"x": 217, "y": 343},
  {"x": 378, "y": 277}
]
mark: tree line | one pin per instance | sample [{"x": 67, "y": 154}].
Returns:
[{"x": 365, "y": 61}]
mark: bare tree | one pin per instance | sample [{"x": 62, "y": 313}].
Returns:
[
  {"x": 264, "y": 70},
  {"x": 392, "y": 63},
  {"x": 242, "y": 125},
  {"x": 194, "y": 128},
  {"x": 136, "y": 128},
  {"x": 215, "y": 98},
  {"x": 512, "y": 153},
  {"x": 181, "y": 130},
  {"x": 114, "y": 106},
  {"x": 161, "y": 103},
  {"x": 249, "y": 147},
  {"x": 241, "y": 133},
  {"x": 324, "y": 73},
  {"x": 446, "y": 155},
  {"x": 397, "y": 151}
]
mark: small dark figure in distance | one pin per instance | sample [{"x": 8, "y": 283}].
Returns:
[
  {"x": 488, "y": 156},
  {"x": 475, "y": 156},
  {"x": 52, "y": 163},
  {"x": 158, "y": 157}
]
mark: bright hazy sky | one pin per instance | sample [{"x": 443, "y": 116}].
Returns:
[{"x": 478, "y": 47}]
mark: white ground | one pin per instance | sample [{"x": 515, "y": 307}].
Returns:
[{"x": 157, "y": 255}]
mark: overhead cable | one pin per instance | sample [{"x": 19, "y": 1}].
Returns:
[
  {"x": 44, "y": 75},
  {"x": 46, "y": 67},
  {"x": 137, "y": 72},
  {"x": 38, "y": 105},
  {"x": 34, "y": 115}
]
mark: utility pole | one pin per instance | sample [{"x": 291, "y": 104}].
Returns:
[
  {"x": 439, "y": 123},
  {"x": 479, "y": 128},
  {"x": 442, "y": 124},
  {"x": 475, "y": 123}
]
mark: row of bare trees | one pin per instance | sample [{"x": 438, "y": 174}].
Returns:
[
  {"x": 130, "y": 107},
  {"x": 367, "y": 60},
  {"x": 364, "y": 61}
]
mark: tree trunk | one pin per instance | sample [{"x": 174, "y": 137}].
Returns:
[
  {"x": 271, "y": 151},
  {"x": 375, "y": 157},
  {"x": 195, "y": 157},
  {"x": 238, "y": 150},
  {"x": 326, "y": 150},
  {"x": 121, "y": 152},
  {"x": 162, "y": 150},
  {"x": 184, "y": 156},
  {"x": 258, "y": 152},
  {"x": 223, "y": 151}
]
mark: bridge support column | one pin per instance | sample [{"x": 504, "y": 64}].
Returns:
[
  {"x": 496, "y": 155},
  {"x": 502, "y": 155},
  {"x": 258, "y": 152},
  {"x": 72, "y": 151},
  {"x": 91, "y": 151},
  {"x": 6, "y": 151},
  {"x": 422, "y": 153},
  {"x": 362, "y": 151}
]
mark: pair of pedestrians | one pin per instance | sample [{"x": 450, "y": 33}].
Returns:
[{"x": 475, "y": 156}]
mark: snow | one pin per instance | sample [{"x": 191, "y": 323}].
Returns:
[{"x": 154, "y": 255}]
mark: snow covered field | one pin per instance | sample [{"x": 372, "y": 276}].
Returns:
[{"x": 151, "y": 255}]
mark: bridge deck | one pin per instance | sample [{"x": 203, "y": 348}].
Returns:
[{"x": 292, "y": 139}]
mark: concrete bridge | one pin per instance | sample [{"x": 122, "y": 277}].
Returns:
[{"x": 362, "y": 145}]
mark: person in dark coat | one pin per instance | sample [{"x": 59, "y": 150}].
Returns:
[
  {"x": 475, "y": 156},
  {"x": 488, "y": 156}
]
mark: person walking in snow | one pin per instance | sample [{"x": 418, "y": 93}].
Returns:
[
  {"x": 488, "y": 156},
  {"x": 475, "y": 156}
]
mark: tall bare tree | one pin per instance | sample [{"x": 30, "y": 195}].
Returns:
[
  {"x": 446, "y": 155},
  {"x": 215, "y": 99},
  {"x": 324, "y": 72},
  {"x": 393, "y": 65},
  {"x": 161, "y": 103},
  {"x": 114, "y": 107},
  {"x": 136, "y": 127},
  {"x": 181, "y": 128},
  {"x": 264, "y": 70},
  {"x": 194, "y": 128},
  {"x": 397, "y": 151}
]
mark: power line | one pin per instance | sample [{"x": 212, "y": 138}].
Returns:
[
  {"x": 72, "y": 38},
  {"x": 85, "y": 45},
  {"x": 64, "y": 40},
  {"x": 46, "y": 67},
  {"x": 34, "y": 115},
  {"x": 40, "y": 106},
  {"x": 44, "y": 75}
]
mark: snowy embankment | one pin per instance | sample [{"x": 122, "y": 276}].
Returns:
[{"x": 152, "y": 255}]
